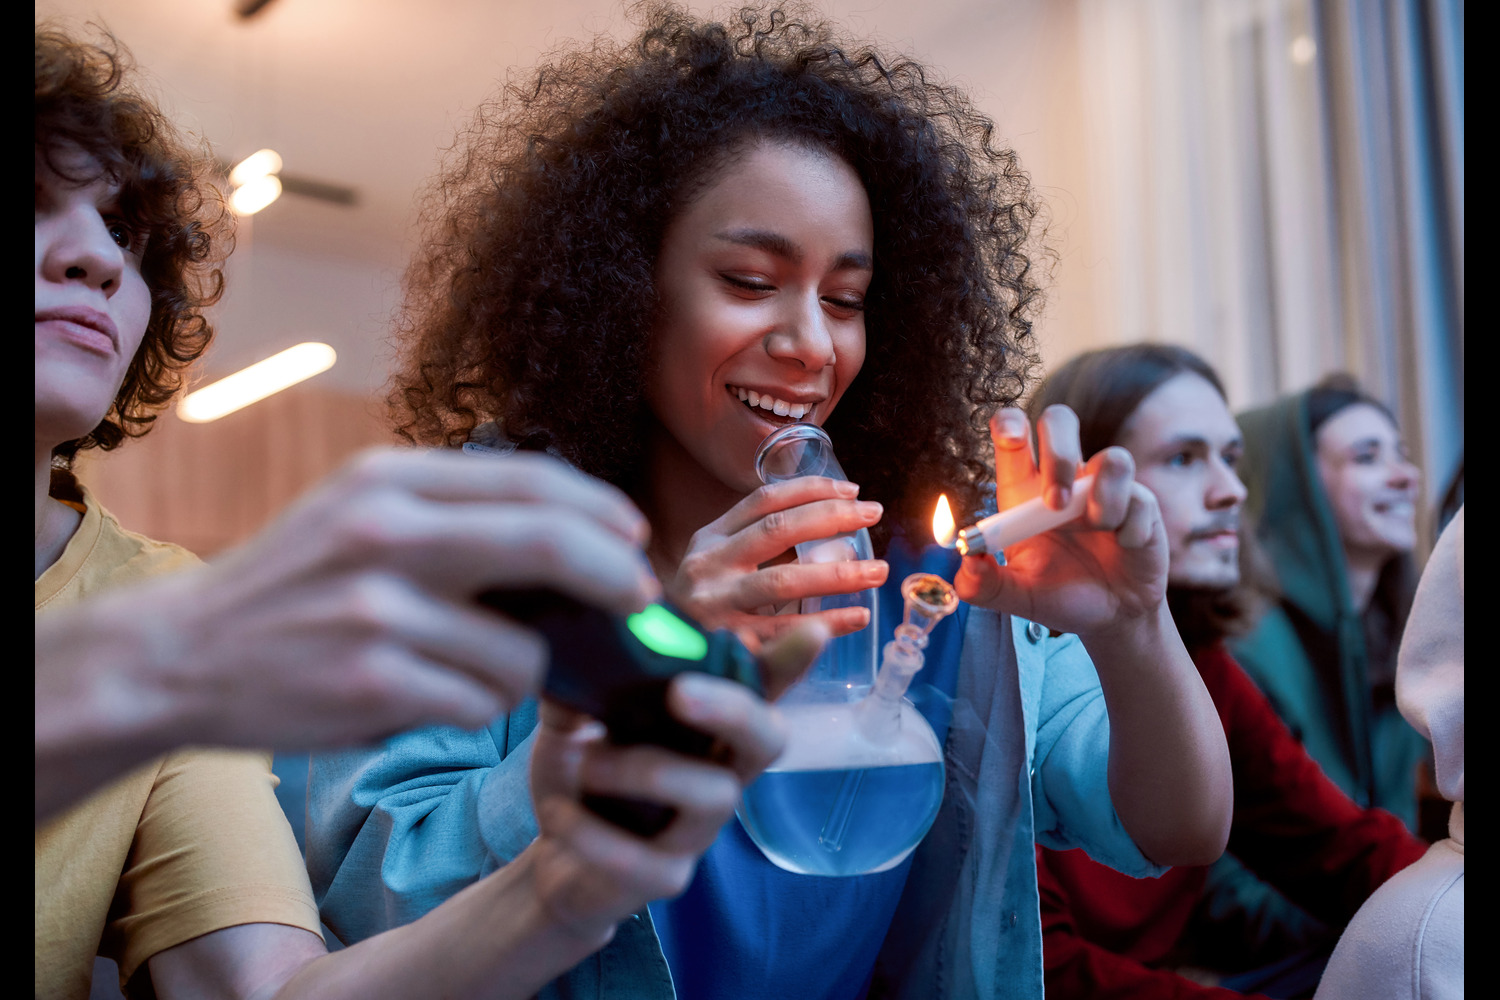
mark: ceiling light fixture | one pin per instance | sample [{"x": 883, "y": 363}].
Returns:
[
  {"x": 255, "y": 182},
  {"x": 257, "y": 164},
  {"x": 250, "y": 385}
]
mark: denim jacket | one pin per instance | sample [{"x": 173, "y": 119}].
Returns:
[{"x": 395, "y": 831}]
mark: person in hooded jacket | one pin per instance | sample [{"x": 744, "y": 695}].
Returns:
[
  {"x": 1332, "y": 502},
  {"x": 1408, "y": 938},
  {"x": 1332, "y": 498}
]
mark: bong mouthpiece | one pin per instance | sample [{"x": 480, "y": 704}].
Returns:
[{"x": 929, "y": 599}]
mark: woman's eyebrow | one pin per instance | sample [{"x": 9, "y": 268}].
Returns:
[
  {"x": 779, "y": 246},
  {"x": 762, "y": 239}
]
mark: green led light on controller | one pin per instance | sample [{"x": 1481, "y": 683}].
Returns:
[{"x": 665, "y": 633}]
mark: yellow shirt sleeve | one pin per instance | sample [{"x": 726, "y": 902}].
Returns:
[
  {"x": 212, "y": 850},
  {"x": 191, "y": 843}
]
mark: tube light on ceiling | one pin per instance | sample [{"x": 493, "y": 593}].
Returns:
[
  {"x": 262, "y": 379},
  {"x": 255, "y": 182}
]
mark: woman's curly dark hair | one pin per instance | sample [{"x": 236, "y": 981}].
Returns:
[
  {"x": 531, "y": 298},
  {"x": 84, "y": 102}
]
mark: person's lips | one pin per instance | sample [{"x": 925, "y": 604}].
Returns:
[
  {"x": 1396, "y": 507},
  {"x": 779, "y": 405},
  {"x": 1222, "y": 535},
  {"x": 84, "y": 323}
]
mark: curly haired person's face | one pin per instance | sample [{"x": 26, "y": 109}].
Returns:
[
  {"x": 762, "y": 281},
  {"x": 92, "y": 305},
  {"x": 1371, "y": 484},
  {"x": 1186, "y": 447}
]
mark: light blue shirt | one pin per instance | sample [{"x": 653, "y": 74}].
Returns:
[{"x": 395, "y": 831}]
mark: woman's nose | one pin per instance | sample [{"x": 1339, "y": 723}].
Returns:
[
  {"x": 1404, "y": 473},
  {"x": 803, "y": 336}
]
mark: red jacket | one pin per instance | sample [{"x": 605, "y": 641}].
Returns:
[{"x": 1103, "y": 932}]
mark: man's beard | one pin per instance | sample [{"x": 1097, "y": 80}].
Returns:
[{"x": 1205, "y": 615}]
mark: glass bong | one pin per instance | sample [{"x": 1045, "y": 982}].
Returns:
[{"x": 861, "y": 779}]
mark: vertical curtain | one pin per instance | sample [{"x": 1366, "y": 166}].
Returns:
[{"x": 1280, "y": 187}]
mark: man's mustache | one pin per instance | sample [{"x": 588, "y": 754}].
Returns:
[{"x": 1216, "y": 525}]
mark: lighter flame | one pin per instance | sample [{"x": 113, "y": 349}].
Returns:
[{"x": 943, "y": 528}]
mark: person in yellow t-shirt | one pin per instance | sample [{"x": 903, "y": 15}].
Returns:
[{"x": 350, "y": 618}]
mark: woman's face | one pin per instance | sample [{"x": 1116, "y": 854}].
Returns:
[
  {"x": 92, "y": 305},
  {"x": 1371, "y": 485},
  {"x": 762, "y": 280}
]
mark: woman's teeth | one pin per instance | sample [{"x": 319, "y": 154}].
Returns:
[{"x": 764, "y": 401}]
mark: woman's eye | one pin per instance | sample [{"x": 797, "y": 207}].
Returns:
[
  {"x": 122, "y": 234},
  {"x": 748, "y": 284},
  {"x": 852, "y": 305},
  {"x": 1182, "y": 458}
]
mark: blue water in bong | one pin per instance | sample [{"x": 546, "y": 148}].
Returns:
[{"x": 844, "y": 821}]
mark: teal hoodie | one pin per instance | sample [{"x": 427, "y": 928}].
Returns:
[{"x": 1310, "y": 655}]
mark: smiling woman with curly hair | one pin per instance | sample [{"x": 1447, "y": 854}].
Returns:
[
  {"x": 648, "y": 256},
  {"x": 534, "y": 295}
]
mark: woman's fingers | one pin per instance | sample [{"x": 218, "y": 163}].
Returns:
[
  {"x": 596, "y": 870},
  {"x": 1114, "y": 478},
  {"x": 782, "y": 496},
  {"x": 979, "y": 580},
  {"x": 775, "y": 585},
  {"x": 765, "y": 628},
  {"x": 748, "y": 736},
  {"x": 1141, "y": 518},
  {"x": 780, "y": 530},
  {"x": 786, "y": 658},
  {"x": 745, "y": 725},
  {"x": 1059, "y": 454},
  {"x": 1015, "y": 466}
]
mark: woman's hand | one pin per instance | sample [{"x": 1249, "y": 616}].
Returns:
[
  {"x": 1102, "y": 572},
  {"x": 591, "y": 874},
  {"x": 731, "y": 576},
  {"x": 1104, "y": 578}
]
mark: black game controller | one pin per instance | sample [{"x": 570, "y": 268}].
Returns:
[{"x": 616, "y": 669}]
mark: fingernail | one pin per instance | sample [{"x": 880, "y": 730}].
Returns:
[
  {"x": 870, "y": 510},
  {"x": 877, "y": 571},
  {"x": 692, "y": 692},
  {"x": 1058, "y": 496},
  {"x": 648, "y": 585},
  {"x": 1009, "y": 424},
  {"x": 846, "y": 488}
]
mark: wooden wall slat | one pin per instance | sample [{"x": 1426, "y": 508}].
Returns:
[{"x": 209, "y": 486}]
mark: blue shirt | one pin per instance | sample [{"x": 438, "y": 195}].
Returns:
[
  {"x": 746, "y": 928},
  {"x": 392, "y": 832}
]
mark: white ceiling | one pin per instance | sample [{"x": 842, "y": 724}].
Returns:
[{"x": 365, "y": 93}]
